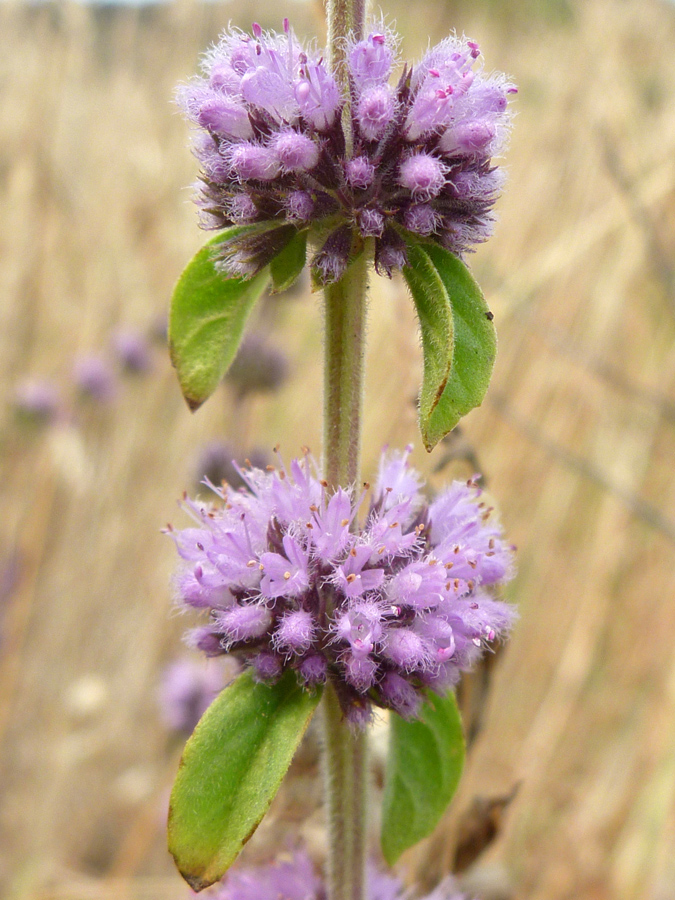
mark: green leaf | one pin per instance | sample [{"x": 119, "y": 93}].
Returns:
[
  {"x": 230, "y": 771},
  {"x": 286, "y": 267},
  {"x": 458, "y": 338},
  {"x": 424, "y": 764},
  {"x": 207, "y": 319}
]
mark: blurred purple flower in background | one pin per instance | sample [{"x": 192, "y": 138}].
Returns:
[
  {"x": 188, "y": 687},
  {"x": 95, "y": 378},
  {"x": 258, "y": 367},
  {"x": 37, "y": 400},
  {"x": 159, "y": 329},
  {"x": 132, "y": 350},
  {"x": 273, "y": 149},
  {"x": 215, "y": 464},
  {"x": 400, "y": 604}
]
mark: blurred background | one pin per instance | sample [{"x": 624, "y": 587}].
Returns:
[{"x": 575, "y": 440}]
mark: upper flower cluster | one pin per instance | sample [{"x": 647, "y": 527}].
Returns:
[
  {"x": 383, "y": 610},
  {"x": 276, "y": 148}
]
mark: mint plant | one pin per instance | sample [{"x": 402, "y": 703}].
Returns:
[{"x": 331, "y": 596}]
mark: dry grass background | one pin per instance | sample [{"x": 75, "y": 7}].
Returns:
[{"x": 576, "y": 438}]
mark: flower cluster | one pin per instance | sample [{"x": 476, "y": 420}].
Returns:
[
  {"x": 277, "y": 148},
  {"x": 294, "y": 878},
  {"x": 382, "y": 610}
]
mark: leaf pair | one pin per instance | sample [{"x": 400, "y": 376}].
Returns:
[
  {"x": 209, "y": 311},
  {"x": 234, "y": 763}
]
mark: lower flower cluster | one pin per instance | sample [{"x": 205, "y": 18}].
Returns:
[
  {"x": 384, "y": 609},
  {"x": 295, "y": 879}
]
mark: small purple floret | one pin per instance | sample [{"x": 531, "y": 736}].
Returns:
[
  {"x": 360, "y": 172},
  {"x": 374, "y": 111},
  {"x": 371, "y": 222},
  {"x": 410, "y": 592},
  {"x": 421, "y": 218},
  {"x": 423, "y": 175},
  {"x": 370, "y": 60},
  {"x": 242, "y": 209},
  {"x": 332, "y": 260},
  {"x": 254, "y": 162},
  {"x": 299, "y": 206},
  {"x": 296, "y": 152}
]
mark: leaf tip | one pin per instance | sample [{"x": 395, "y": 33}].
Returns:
[
  {"x": 193, "y": 402},
  {"x": 390, "y": 854},
  {"x": 197, "y": 882},
  {"x": 428, "y": 439}
]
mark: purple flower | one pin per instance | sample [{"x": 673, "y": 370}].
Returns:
[
  {"x": 294, "y": 878},
  {"x": 258, "y": 367},
  {"x": 374, "y": 111},
  {"x": 272, "y": 148},
  {"x": 359, "y": 172},
  {"x": 371, "y": 60},
  {"x": 95, "y": 378},
  {"x": 402, "y": 602},
  {"x": 37, "y": 400},
  {"x": 132, "y": 350},
  {"x": 423, "y": 175},
  {"x": 188, "y": 687}
]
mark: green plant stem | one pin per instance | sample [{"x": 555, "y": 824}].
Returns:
[
  {"x": 345, "y": 753},
  {"x": 345, "y": 749},
  {"x": 346, "y": 769},
  {"x": 345, "y": 322}
]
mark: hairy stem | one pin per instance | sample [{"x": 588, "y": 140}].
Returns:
[
  {"x": 344, "y": 17},
  {"x": 345, "y": 320},
  {"x": 345, "y": 750},
  {"x": 345, "y": 760},
  {"x": 346, "y": 769}
]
